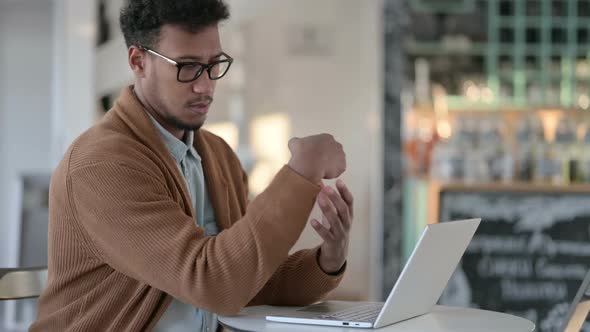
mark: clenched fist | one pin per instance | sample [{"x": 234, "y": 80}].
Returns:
[{"x": 317, "y": 157}]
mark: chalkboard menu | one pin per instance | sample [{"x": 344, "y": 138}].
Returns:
[{"x": 528, "y": 257}]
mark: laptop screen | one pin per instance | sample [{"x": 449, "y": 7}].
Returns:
[{"x": 578, "y": 318}]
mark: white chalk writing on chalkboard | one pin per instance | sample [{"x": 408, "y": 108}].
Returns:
[
  {"x": 569, "y": 248},
  {"x": 502, "y": 244},
  {"x": 513, "y": 290},
  {"x": 525, "y": 267},
  {"x": 559, "y": 271},
  {"x": 506, "y": 267},
  {"x": 535, "y": 243},
  {"x": 528, "y": 213}
]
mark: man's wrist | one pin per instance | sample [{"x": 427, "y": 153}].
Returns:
[
  {"x": 330, "y": 268},
  {"x": 299, "y": 169}
]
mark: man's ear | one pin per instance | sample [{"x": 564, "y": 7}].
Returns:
[{"x": 137, "y": 59}]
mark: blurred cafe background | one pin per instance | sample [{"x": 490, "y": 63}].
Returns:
[{"x": 447, "y": 109}]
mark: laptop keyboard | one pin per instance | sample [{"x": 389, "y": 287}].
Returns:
[{"x": 363, "y": 313}]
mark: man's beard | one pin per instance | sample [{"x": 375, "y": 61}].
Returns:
[{"x": 179, "y": 124}]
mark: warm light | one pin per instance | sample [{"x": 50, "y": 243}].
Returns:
[
  {"x": 260, "y": 177},
  {"x": 441, "y": 106},
  {"x": 487, "y": 95},
  {"x": 471, "y": 91},
  {"x": 581, "y": 131},
  {"x": 425, "y": 129},
  {"x": 584, "y": 101},
  {"x": 226, "y": 130},
  {"x": 583, "y": 68},
  {"x": 468, "y": 84},
  {"x": 550, "y": 119},
  {"x": 444, "y": 130},
  {"x": 269, "y": 137}
]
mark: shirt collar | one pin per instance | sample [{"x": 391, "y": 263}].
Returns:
[{"x": 179, "y": 149}]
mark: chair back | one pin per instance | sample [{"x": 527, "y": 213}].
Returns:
[{"x": 22, "y": 283}]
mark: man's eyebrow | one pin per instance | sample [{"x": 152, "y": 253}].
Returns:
[{"x": 199, "y": 58}]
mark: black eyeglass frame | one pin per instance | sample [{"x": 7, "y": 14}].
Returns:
[{"x": 203, "y": 66}]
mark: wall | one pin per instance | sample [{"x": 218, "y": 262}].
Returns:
[
  {"x": 334, "y": 88},
  {"x": 3, "y": 143},
  {"x": 74, "y": 102},
  {"x": 25, "y": 103}
]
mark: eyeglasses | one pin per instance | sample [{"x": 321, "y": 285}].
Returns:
[{"x": 190, "y": 71}]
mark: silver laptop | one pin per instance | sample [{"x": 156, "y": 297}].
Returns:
[{"x": 416, "y": 291}]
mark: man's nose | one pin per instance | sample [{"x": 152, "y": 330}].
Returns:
[{"x": 203, "y": 84}]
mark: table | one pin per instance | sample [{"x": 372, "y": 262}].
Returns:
[{"x": 441, "y": 319}]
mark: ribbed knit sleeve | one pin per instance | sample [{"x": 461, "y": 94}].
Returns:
[
  {"x": 138, "y": 229},
  {"x": 298, "y": 281}
]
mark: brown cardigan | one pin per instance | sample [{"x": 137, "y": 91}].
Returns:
[{"x": 123, "y": 239}]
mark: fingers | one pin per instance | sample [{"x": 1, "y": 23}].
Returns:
[
  {"x": 346, "y": 195},
  {"x": 330, "y": 212},
  {"x": 340, "y": 205},
  {"x": 324, "y": 233}
]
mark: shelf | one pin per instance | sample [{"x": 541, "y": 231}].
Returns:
[
  {"x": 424, "y": 48},
  {"x": 505, "y": 109},
  {"x": 554, "y": 76},
  {"x": 539, "y": 21},
  {"x": 513, "y": 187},
  {"x": 413, "y": 47},
  {"x": 461, "y": 103}
]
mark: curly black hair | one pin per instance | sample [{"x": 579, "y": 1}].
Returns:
[{"x": 141, "y": 20}]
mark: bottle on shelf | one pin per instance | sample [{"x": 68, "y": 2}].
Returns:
[
  {"x": 447, "y": 160},
  {"x": 525, "y": 154},
  {"x": 565, "y": 151},
  {"x": 547, "y": 164},
  {"x": 584, "y": 155},
  {"x": 474, "y": 164},
  {"x": 498, "y": 155}
]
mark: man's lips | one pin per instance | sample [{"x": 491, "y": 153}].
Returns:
[{"x": 201, "y": 108}]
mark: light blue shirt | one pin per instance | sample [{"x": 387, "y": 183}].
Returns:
[{"x": 181, "y": 317}]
